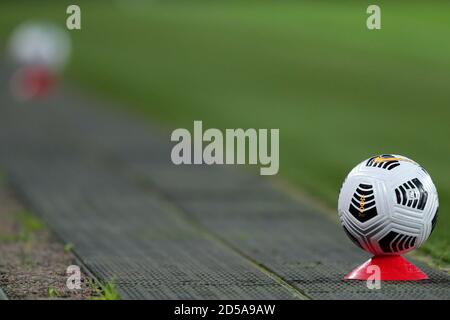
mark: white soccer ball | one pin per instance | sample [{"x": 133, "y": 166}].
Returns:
[
  {"x": 388, "y": 205},
  {"x": 40, "y": 43}
]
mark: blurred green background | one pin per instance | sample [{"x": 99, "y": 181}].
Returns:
[{"x": 338, "y": 92}]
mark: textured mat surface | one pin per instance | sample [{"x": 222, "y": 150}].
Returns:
[{"x": 104, "y": 182}]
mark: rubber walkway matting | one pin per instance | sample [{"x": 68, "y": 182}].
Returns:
[{"x": 104, "y": 182}]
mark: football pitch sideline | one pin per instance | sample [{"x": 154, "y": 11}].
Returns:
[
  {"x": 337, "y": 92},
  {"x": 95, "y": 160},
  {"x": 103, "y": 182}
]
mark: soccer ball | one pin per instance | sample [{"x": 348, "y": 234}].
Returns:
[
  {"x": 42, "y": 44},
  {"x": 388, "y": 205}
]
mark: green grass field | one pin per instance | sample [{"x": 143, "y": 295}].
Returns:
[{"x": 338, "y": 92}]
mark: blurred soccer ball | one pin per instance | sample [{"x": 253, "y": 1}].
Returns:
[
  {"x": 40, "y": 43},
  {"x": 40, "y": 52},
  {"x": 388, "y": 205}
]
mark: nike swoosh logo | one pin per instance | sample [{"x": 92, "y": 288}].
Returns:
[{"x": 381, "y": 159}]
